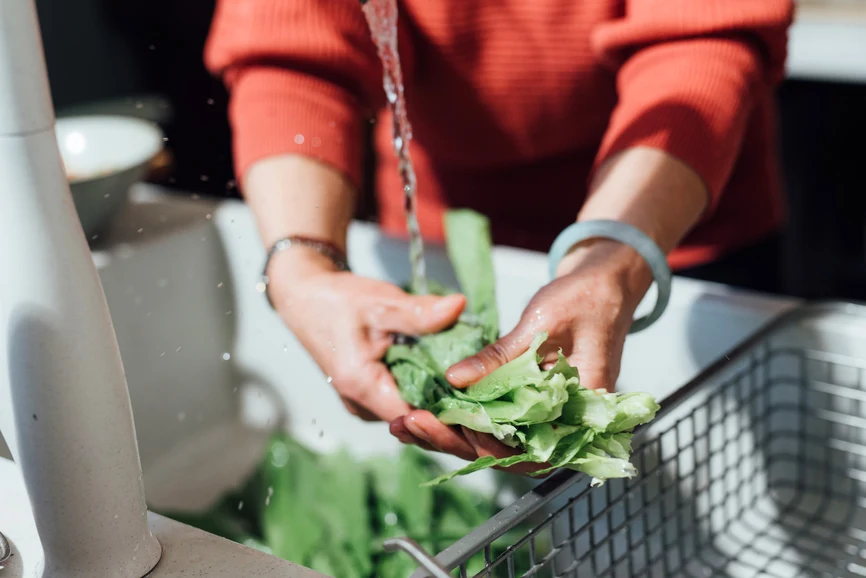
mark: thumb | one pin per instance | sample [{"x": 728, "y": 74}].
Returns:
[
  {"x": 418, "y": 315},
  {"x": 495, "y": 355}
]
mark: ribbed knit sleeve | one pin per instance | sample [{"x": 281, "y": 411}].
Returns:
[
  {"x": 689, "y": 73},
  {"x": 303, "y": 77}
]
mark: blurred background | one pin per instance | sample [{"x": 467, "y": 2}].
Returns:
[{"x": 145, "y": 60}]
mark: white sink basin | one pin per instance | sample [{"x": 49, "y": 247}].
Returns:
[{"x": 210, "y": 366}]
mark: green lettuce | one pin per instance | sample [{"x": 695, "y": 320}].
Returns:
[
  {"x": 548, "y": 417},
  {"x": 333, "y": 512}
]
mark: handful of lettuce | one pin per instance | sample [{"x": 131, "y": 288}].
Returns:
[{"x": 546, "y": 414}]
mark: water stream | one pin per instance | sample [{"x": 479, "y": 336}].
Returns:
[{"x": 382, "y": 19}]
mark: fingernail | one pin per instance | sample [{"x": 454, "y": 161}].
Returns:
[
  {"x": 464, "y": 373},
  {"x": 472, "y": 438},
  {"x": 445, "y": 303},
  {"x": 399, "y": 431},
  {"x": 416, "y": 430}
]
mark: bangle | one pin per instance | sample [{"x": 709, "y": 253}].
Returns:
[
  {"x": 323, "y": 247},
  {"x": 628, "y": 235}
]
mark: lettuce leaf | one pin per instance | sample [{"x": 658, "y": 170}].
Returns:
[{"x": 349, "y": 508}]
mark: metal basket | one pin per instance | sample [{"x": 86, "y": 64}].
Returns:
[{"x": 757, "y": 468}]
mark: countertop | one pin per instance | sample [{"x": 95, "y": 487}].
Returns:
[{"x": 828, "y": 41}]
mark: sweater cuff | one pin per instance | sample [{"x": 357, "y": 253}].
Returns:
[
  {"x": 689, "y": 98},
  {"x": 275, "y": 111}
]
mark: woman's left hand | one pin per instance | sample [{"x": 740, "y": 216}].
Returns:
[{"x": 586, "y": 311}]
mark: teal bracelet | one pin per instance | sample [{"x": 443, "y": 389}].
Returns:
[{"x": 628, "y": 235}]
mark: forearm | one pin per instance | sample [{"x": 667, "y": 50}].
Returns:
[
  {"x": 650, "y": 190},
  {"x": 295, "y": 195}
]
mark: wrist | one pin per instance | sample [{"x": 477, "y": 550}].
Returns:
[
  {"x": 612, "y": 260},
  {"x": 294, "y": 260}
]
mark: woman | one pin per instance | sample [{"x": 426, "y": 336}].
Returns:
[{"x": 655, "y": 114}]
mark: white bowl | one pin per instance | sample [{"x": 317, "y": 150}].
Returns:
[{"x": 103, "y": 156}]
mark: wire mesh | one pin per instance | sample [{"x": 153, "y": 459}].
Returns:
[{"x": 759, "y": 473}]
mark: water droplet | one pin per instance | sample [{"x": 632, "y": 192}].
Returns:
[
  {"x": 270, "y": 493},
  {"x": 229, "y": 312},
  {"x": 210, "y": 101},
  {"x": 94, "y": 237},
  {"x": 330, "y": 379},
  {"x": 204, "y": 178},
  {"x": 235, "y": 389},
  {"x": 227, "y": 356},
  {"x": 181, "y": 416},
  {"x": 162, "y": 354},
  {"x": 116, "y": 516},
  {"x": 219, "y": 285},
  {"x": 139, "y": 105},
  {"x": 240, "y": 505},
  {"x": 106, "y": 195},
  {"x": 208, "y": 217},
  {"x": 140, "y": 230},
  {"x": 390, "y": 518},
  {"x": 179, "y": 347},
  {"x": 299, "y": 139},
  {"x": 230, "y": 184}
]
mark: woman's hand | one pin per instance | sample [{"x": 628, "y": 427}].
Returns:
[
  {"x": 347, "y": 323},
  {"x": 586, "y": 311}
]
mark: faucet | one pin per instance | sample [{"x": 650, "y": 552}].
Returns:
[{"x": 64, "y": 405}]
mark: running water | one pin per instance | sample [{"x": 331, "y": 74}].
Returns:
[{"x": 382, "y": 19}]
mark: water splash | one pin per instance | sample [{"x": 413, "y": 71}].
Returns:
[{"x": 381, "y": 17}]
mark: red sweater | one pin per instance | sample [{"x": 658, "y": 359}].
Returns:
[{"x": 514, "y": 102}]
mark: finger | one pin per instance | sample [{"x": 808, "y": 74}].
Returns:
[
  {"x": 487, "y": 445},
  {"x": 358, "y": 411},
  {"x": 424, "y": 426},
  {"x": 379, "y": 343},
  {"x": 374, "y": 390},
  {"x": 597, "y": 357},
  {"x": 399, "y": 430},
  {"x": 411, "y": 315},
  {"x": 495, "y": 355}
]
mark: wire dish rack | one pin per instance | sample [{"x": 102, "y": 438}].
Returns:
[{"x": 756, "y": 469}]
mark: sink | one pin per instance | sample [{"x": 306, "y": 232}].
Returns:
[{"x": 211, "y": 369}]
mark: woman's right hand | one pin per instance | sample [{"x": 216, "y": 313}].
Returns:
[{"x": 347, "y": 322}]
